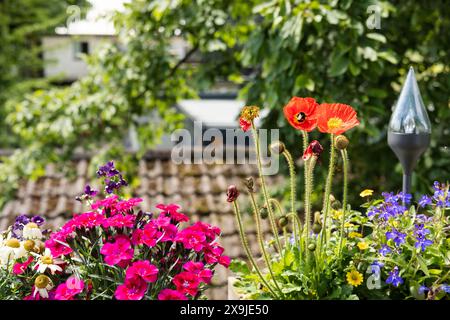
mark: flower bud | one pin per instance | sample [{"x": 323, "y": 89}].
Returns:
[
  {"x": 332, "y": 198},
  {"x": 316, "y": 228},
  {"x": 232, "y": 193},
  {"x": 341, "y": 142},
  {"x": 29, "y": 245},
  {"x": 317, "y": 218},
  {"x": 336, "y": 205},
  {"x": 42, "y": 281},
  {"x": 277, "y": 147},
  {"x": 313, "y": 149},
  {"x": 283, "y": 222},
  {"x": 312, "y": 246},
  {"x": 250, "y": 184},
  {"x": 264, "y": 212}
]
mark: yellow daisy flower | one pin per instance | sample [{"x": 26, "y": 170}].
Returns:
[
  {"x": 337, "y": 214},
  {"x": 354, "y": 235},
  {"x": 348, "y": 225},
  {"x": 366, "y": 193},
  {"x": 354, "y": 278},
  {"x": 362, "y": 245}
]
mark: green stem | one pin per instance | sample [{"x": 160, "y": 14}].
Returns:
[
  {"x": 344, "y": 198},
  {"x": 260, "y": 237},
  {"x": 290, "y": 162},
  {"x": 264, "y": 189},
  {"x": 305, "y": 175},
  {"x": 326, "y": 199},
  {"x": 296, "y": 228},
  {"x": 277, "y": 205},
  {"x": 247, "y": 248}
]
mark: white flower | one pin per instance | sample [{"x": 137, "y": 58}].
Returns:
[
  {"x": 31, "y": 231},
  {"x": 11, "y": 250},
  {"x": 47, "y": 261},
  {"x": 42, "y": 284}
]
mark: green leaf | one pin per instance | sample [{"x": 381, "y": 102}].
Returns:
[
  {"x": 239, "y": 266},
  {"x": 303, "y": 81},
  {"x": 377, "y": 37},
  {"x": 338, "y": 66}
]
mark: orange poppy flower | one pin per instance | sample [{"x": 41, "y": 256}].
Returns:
[
  {"x": 336, "y": 118},
  {"x": 301, "y": 113}
]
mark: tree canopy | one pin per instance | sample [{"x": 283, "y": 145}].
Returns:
[{"x": 272, "y": 50}]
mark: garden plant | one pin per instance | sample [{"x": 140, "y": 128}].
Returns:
[
  {"x": 391, "y": 249},
  {"x": 111, "y": 251}
]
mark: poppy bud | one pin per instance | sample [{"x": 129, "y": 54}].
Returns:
[
  {"x": 341, "y": 142},
  {"x": 317, "y": 217},
  {"x": 336, "y": 205},
  {"x": 283, "y": 222},
  {"x": 312, "y": 246},
  {"x": 264, "y": 212},
  {"x": 232, "y": 193},
  {"x": 250, "y": 184},
  {"x": 332, "y": 198},
  {"x": 277, "y": 147},
  {"x": 316, "y": 228},
  {"x": 313, "y": 149},
  {"x": 29, "y": 245}
]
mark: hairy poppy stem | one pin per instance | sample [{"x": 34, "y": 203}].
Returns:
[
  {"x": 345, "y": 162},
  {"x": 260, "y": 237},
  {"x": 247, "y": 248},
  {"x": 326, "y": 199},
  {"x": 264, "y": 188}
]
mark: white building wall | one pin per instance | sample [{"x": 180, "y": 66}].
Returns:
[{"x": 60, "y": 58}]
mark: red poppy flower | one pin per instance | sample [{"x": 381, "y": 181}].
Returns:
[
  {"x": 245, "y": 125},
  {"x": 336, "y": 118},
  {"x": 313, "y": 149},
  {"x": 301, "y": 113}
]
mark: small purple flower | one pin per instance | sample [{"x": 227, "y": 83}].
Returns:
[
  {"x": 22, "y": 219},
  {"x": 38, "y": 220},
  {"x": 376, "y": 267},
  {"x": 396, "y": 236},
  {"x": 107, "y": 170},
  {"x": 420, "y": 233},
  {"x": 424, "y": 201},
  {"x": 89, "y": 191},
  {"x": 394, "y": 278},
  {"x": 385, "y": 250},
  {"x": 445, "y": 287},
  {"x": 423, "y": 289}
]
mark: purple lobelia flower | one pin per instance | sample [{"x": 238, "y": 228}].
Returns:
[
  {"x": 445, "y": 287},
  {"x": 376, "y": 267},
  {"x": 424, "y": 201},
  {"x": 420, "y": 232},
  {"x": 385, "y": 250},
  {"x": 394, "y": 278},
  {"x": 396, "y": 236},
  {"x": 423, "y": 289},
  {"x": 392, "y": 206}
]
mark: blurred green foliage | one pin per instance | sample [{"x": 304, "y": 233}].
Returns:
[
  {"x": 22, "y": 24},
  {"x": 273, "y": 50}
]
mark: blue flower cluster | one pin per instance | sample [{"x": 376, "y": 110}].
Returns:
[
  {"x": 393, "y": 205},
  {"x": 440, "y": 197},
  {"x": 23, "y": 220}
]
